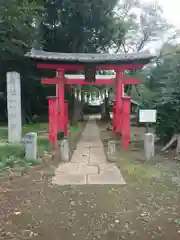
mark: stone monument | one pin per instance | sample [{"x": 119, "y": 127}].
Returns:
[
  {"x": 111, "y": 153},
  {"x": 14, "y": 107},
  {"x": 149, "y": 145},
  {"x": 64, "y": 150},
  {"x": 148, "y": 116},
  {"x": 30, "y": 140}
]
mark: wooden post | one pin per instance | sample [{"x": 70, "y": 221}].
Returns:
[
  {"x": 118, "y": 101},
  {"x": 60, "y": 107},
  {"x": 52, "y": 103},
  {"x": 126, "y": 103}
]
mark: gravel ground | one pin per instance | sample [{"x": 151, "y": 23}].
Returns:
[{"x": 147, "y": 207}]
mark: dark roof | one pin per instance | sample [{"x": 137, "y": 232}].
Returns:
[{"x": 141, "y": 57}]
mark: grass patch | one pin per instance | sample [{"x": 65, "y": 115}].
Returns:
[
  {"x": 134, "y": 164},
  {"x": 3, "y": 132},
  {"x": 13, "y": 155},
  {"x": 37, "y": 127},
  {"x": 9, "y": 150},
  {"x": 10, "y": 155},
  {"x": 43, "y": 146},
  {"x": 74, "y": 128},
  {"x": 140, "y": 170}
]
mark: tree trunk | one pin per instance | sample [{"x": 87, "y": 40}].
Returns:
[
  {"x": 105, "y": 115},
  {"x": 75, "y": 109}
]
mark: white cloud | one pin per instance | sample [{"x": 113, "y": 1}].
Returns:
[{"x": 171, "y": 10}]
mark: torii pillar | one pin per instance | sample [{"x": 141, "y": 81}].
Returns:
[
  {"x": 121, "y": 109},
  {"x": 52, "y": 106},
  {"x": 125, "y": 122},
  {"x": 60, "y": 102},
  {"x": 118, "y": 104}
]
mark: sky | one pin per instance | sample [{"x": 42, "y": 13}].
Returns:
[{"x": 171, "y": 10}]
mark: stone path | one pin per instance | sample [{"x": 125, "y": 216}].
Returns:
[{"x": 88, "y": 164}]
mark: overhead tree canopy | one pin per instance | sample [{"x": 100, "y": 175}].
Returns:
[
  {"x": 18, "y": 26},
  {"x": 86, "y": 26},
  {"x": 144, "y": 25}
]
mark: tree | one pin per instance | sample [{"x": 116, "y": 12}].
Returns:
[
  {"x": 145, "y": 25},
  {"x": 164, "y": 81},
  {"x": 18, "y": 25},
  {"x": 18, "y": 30},
  {"x": 80, "y": 26},
  {"x": 86, "y": 26}
]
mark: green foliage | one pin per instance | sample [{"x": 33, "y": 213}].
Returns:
[
  {"x": 33, "y": 162},
  {"x": 168, "y": 122},
  {"x": 165, "y": 81},
  {"x": 10, "y": 155},
  {"x": 18, "y": 27},
  {"x": 144, "y": 23},
  {"x": 85, "y": 26}
]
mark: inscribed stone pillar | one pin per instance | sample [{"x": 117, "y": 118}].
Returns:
[
  {"x": 14, "y": 107},
  {"x": 30, "y": 146}
]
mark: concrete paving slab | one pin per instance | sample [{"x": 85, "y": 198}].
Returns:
[
  {"x": 88, "y": 164},
  {"x": 68, "y": 168},
  {"x": 88, "y": 169},
  {"x": 93, "y": 159},
  {"x": 80, "y": 158},
  {"x": 69, "y": 179}
]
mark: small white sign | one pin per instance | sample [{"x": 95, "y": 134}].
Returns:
[{"x": 147, "y": 116}]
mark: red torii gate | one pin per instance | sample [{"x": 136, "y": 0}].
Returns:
[{"x": 63, "y": 62}]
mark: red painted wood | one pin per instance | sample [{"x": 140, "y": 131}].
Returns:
[
  {"x": 55, "y": 80},
  {"x": 117, "y": 67},
  {"x": 52, "y": 103},
  {"x": 128, "y": 80},
  {"x": 121, "y": 108},
  {"x": 49, "y": 80},
  {"x": 60, "y": 107},
  {"x": 97, "y": 82},
  {"x": 126, "y": 105},
  {"x": 118, "y": 101},
  {"x": 78, "y": 81}
]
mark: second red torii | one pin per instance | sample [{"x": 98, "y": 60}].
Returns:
[{"x": 121, "y": 122}]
